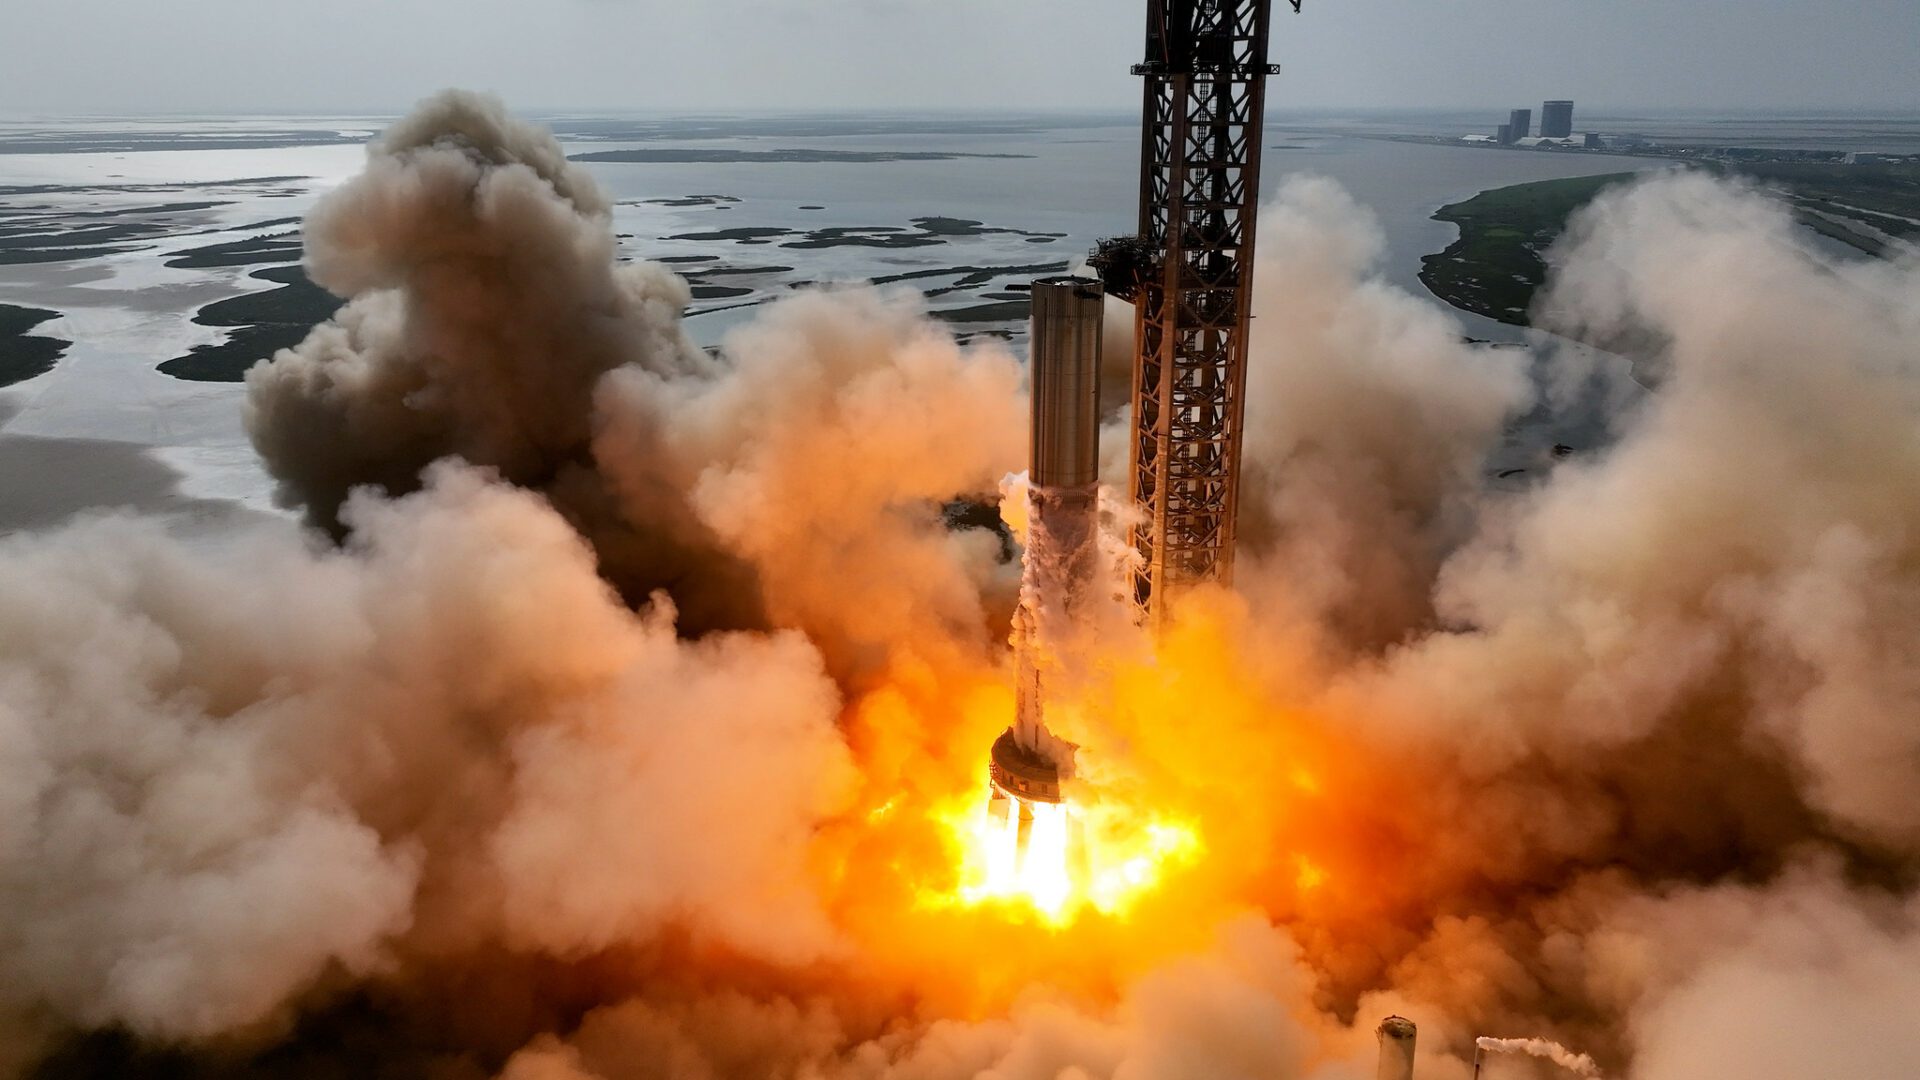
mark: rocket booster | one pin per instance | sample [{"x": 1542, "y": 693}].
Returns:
[
  {"x": 1028, "y": 762},
  {"x": 1065, "y": 448}
]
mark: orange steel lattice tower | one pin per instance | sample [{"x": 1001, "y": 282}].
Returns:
[{"x": 1206, "y": 74}]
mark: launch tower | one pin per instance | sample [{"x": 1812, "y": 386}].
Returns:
[
  {"x": 1188, "y": 272},
  {"x": 1206, "y": 75}
]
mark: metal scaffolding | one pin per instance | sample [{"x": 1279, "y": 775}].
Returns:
[{"x": 1206, "y": 72}]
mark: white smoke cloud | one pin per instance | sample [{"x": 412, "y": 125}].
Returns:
[
  {"x": 164, "y": 867},
  {"x": 820, "y": 457},
  {"x": 1368, "y": 418},
  {"x": 1237, "y": 1012},
  {"x": 453, "y": 730},
  {"x": 609, "y": 834},
  {"x": 485, "y": 304},
  {"x": 1742, "y": 537},
  {"x": 1575, "y": 1063},
  {"x": 1801, "y": 977}
]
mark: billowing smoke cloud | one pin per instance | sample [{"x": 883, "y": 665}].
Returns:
[
  {"x": 449, "y": 733},
  {"x": 613, "y": 729},
  {"x": 820, "y": 457},
  {"x": 1685, "y": 660},
  {"x": 1368, "y": 421},
  {"x": 485, "y": 305},
  {"x": 485, "y": 308},
  {"x": 1801, "y": 976},
  {"x": 1237, "y": 1013},
  {"x": 1737, "y": 560}
]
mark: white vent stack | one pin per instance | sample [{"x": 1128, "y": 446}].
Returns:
[{"x": 1397, "y": 1035}]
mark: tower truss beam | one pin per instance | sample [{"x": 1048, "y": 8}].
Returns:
[{"x": 1206, "y": 71}]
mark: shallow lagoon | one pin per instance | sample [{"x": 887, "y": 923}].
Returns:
[{"x": 1059, "y": 184}]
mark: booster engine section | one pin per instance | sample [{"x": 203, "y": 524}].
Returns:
[
  {"x": 1028, "y": 762},
  {"x": 1022, "y": 774}
]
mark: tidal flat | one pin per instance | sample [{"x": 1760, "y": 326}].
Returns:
[
  {"x": 262, "y": 323},
  {"x": 170, "y": 272},
  {"x": 668, "y": 155},
  {"x": 24, "y": 354}
]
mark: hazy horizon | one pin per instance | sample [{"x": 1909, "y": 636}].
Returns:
[
  {"x": 1117, "y": 114},
  {"x": 229, "y": 57}
]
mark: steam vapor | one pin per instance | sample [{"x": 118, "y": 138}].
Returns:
[
  {"x": 603, "y": 723},
  {"x": 1577, "y": 1064}
]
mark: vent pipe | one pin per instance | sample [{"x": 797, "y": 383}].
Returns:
[{"x": 1396, "y": 1035}]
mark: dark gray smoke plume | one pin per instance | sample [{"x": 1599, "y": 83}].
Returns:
[{"x": 468, "y": 784}]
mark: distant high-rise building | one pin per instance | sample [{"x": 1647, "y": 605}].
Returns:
[
  {"x": 1522, "y": 124},
  {"x": 1556, "y": 120},
  {"x": 1503, "y": 134}
]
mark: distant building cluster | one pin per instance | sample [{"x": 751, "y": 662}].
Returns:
[
  {"x": 1556, "y": 122},
  {"x": 1556, "y": 133},
  {"x": 1556, "y": 130}
]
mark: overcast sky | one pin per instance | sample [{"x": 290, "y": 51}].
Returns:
[{"x": 71, "y": 56}]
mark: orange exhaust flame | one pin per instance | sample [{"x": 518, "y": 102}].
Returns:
[
  {"x": 1069, "y": 864},
  {"x": 1201, "y": 797}
]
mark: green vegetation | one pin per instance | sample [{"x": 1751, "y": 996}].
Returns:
[
  {"x": 298, "y": 300},
  {"x": 1882, "y": 189},
  {"x": 229, "y": 360},
  {"x": 22, "y": 353},
  {"x": 33, "y": 233},
  {"x": 1495, "y": 265},
  {"x": 274, "y": 248},
  {"x": 998, "y": 311},
  {"x": 676, "y": 155},
  {"x": 926, "y": 232},
  {"x": 265, "y": 323},
  {"x": 1858, "y": 205}
]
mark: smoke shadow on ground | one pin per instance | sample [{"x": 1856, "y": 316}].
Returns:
[{"x": 49, "y": 481}]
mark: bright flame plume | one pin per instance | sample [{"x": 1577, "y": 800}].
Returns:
[{"x": 1069, "y": 864}]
